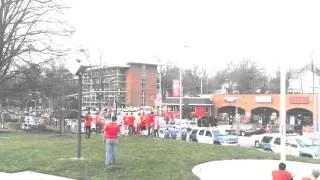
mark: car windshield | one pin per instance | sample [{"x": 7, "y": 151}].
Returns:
[
  {"x": 304, "y": 142},
  {"x": 266, "y": 139},
  {"x": 218, "y": 133}
]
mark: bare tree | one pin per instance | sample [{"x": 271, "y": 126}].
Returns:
[
  {"x": 169, "y": 72},
  {"x": 28, "y": 30},
  {"x": 193, "y": 77},
  {"x": 245, "y": 77}
]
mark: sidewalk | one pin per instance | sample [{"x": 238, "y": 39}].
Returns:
[
  {"x": 249, "y": 169},
  {"x": 29, "y": 175}
]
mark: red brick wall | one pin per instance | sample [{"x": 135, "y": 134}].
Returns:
[
  {"x": 151, "y": 85},
  {"x": 133, "y": 84}
]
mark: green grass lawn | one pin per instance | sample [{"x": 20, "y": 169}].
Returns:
[{"x": 138, "y": 158}]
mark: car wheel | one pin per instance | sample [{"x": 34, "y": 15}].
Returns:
[
  {"x": 243, "y": 133},
  {"x": 217, "y": 143},
  {"x": 257, "y": 144}
]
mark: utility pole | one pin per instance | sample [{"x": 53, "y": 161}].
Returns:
[
  {"x": 283, "y": 113},
  {"x": 79, "y": 118},
  {"x": 312, "y": 64}
]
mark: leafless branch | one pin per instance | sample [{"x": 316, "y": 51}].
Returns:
[{"x": 28, "y": 31}]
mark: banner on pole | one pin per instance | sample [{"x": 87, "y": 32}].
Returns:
[{"x": 176, "y": 88}]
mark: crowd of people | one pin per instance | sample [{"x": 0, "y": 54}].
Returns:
[
  {"x": 129, "y": 124},
  {"x": 97, "y": 121},
  {"x": 134, "y": 125}
]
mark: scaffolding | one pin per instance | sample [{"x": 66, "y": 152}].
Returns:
[{"x": 104, "y": 86}]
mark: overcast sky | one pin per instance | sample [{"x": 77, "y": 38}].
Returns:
[{"x": 217, "y": 32}]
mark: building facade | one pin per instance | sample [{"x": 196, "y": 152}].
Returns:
[
  {"x": 301, "y": 108},
  {"x": 117, "y": 86}
]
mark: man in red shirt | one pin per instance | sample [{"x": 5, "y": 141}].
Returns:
[
  {"x": 98, "y": 123},
  {"x": 87, "y": 123},
  {"x": 131, "y": 123},
  {"x": 150, "y": 122},
  {"x": 281, "y": 174},
  {"x": 111, "y": 131}
]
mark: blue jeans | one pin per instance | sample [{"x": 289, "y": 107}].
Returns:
[{"x": 111, "y": 149}]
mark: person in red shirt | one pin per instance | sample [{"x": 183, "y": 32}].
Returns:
[
  {"x": 111, "y": 132},
  {"x": 281, "y": 174},
  {"x": 98, "y": 123},
  {"x": 143, "y": 122},
  {"x": 150, "y": 122},
  {"x": 131, "y": 123},
  {"x": 87, "y": 123}
]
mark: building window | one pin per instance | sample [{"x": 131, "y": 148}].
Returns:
[{"x": 143, "y": 99}]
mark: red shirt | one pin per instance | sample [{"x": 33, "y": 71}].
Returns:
[
  {"x": 111, "y": 130},
  {"x": 126, "y": 120},
  {"x": 281, "y": 175},
  {"x": 151, "y": 119},
  {"x": 98, "y": 119},
  {"x": 143, "y": 121},
  {"x": 131, "y": 120},
  {"x": 88, "y": 120}
]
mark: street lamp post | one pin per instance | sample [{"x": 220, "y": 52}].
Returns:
[
  {"x": 181, "y": 90},
  {"x": 237, "y": 118},
  {"x": 76, "y": 68},
  {"x": 80, "y": 118},
  {"x": 283, "y": 112}
]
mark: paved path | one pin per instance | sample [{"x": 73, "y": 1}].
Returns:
[
  {"x": 249, "y": 169},
  {"x": 30, "y": 175}
]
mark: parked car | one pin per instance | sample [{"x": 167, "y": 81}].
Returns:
[
  {"x": 257, "y": 139},
  {"x": 182, "y": 134},
  {"x": 248, "y": 129},
  {"x": 215, "y": 136},
  {"x": 207, "y": 121},
  {"x": 221, "y": 138},
  {"x": 301, "y": 146},
  {"x": 188, "y": 124},
  {"x": 192, "y": 135}
]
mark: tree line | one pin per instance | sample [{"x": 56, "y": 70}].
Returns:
[{"x": 242, "y": 78}]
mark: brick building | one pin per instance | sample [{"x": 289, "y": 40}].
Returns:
[{"x": 134, "y": 84}]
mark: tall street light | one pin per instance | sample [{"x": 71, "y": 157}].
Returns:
[
  {"x": 75, "y": 67},
  {"x": 181, "y": 87},
  {"x": 283, "y": 99}
]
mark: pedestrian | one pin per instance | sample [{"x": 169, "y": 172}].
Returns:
[
  {"x": 315, "y": 174},
  {"x": 281, "y": 173},
  {"x": 150, "y": 123},
  {"x": 126, "y": 119},
  {"x": 87, "y": 123},
  {"x": 131, "y": 124},
  {"x": 111, "y": 132},
  {"x": 156, "y": 127},
  {"x": 98, "y": 121},
  {"x": 137, "y": 122}
]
